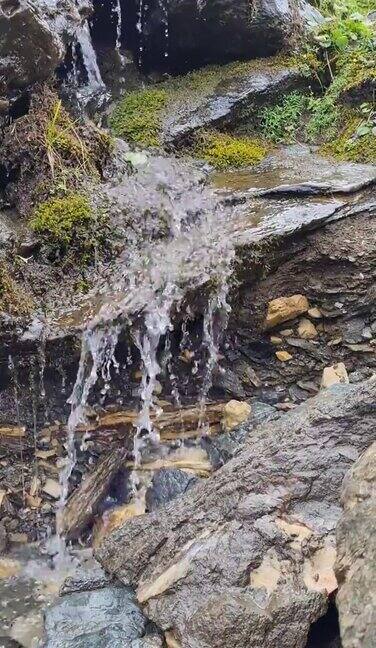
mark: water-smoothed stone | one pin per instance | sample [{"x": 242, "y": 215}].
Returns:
[
  {"x": 33, "y": 37},
  {"x": 105, "y": 618},
  {"x": 356, "y": 560},
  {"x": 246, "y": 558},
  {"x": 167, "y": 484}
]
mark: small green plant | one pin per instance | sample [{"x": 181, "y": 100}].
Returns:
[
  {"x": 324, "y": 115},
  {"x": 280, "y": 123},
  {"x": 356, "y": 141},
  {"x": 138, "y": 117},
  {"x": 63, "y": 219},
  {"x": 224, "y": 151}
]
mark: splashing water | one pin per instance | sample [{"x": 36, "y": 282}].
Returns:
[
  {"x": 139, "y": 27},
  {"x": 95, "y": 85},
  {"x": 119, "y": 24},
  {"x": 164, "y": 12},
  {"x": 97, "y": 355}
]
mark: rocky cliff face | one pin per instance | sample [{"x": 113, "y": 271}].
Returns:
[{"x": 356, "y": 562}]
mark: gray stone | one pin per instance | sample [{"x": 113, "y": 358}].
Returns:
[
  {"x": 356, "y": 561},
  {"x": 246, "y": 558},
  {"x": 167, "y": 484},
  {"x": 353, "y": 331},
  {"x": 222, "y": 448},
  {"x": 263, "y": 83},
  {"x": 106, "y": 618},
  {"x": 3, "y": 538},
  {"x": 89, "y": 576}
]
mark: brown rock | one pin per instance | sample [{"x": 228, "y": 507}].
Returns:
[
  {"x": 315, "y": 313},
  {"x": 52, "y": 488},
  {"x": 334, "y": 375},
  {"x": 275, "y": 340},
  {"x": 284, "y": 309},
  {"x": 307, "y": 330},
  {"x": 283, "y": 356},
  {"x": 234, "y": 413}
]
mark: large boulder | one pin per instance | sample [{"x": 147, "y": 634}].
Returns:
[
  {"x": 356, "y": 562},
  {"x": 33, "y": 38},
  {"x": 245, "y": 560},
  {"x": 202, "y": 31}
]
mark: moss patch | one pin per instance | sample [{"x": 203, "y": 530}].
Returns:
[
  {"x": 225, "y": 151},
  {"x": 62, "y": 219},
  {"x": 138, "y": 117},
  {"x": 351, "y": 145}
]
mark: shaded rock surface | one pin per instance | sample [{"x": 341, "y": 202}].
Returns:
[
  {"x": 356, "y": 560},
  {"x": 33, "y": 37},
  {"x": 105, "y": 617},
  {"x": 223, "y": 30},
  {"x": 247, "y": 558}
]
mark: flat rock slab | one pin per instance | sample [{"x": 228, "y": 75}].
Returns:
[
  {"x": 246, "y": 560},
  {"x": 298, "y": 170},
  {"x": 261, "y": 82},
  {"x": 105, "y": 618}
]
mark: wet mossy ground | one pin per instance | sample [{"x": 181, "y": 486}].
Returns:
[{"x": 226, "y": 151}]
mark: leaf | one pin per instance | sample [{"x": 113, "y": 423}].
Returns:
[{"x": 363, "y": 130}]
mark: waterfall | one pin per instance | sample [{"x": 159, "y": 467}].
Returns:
[
  {"x": 95, "y": 84},
  {"x": 117, "y": 11}
]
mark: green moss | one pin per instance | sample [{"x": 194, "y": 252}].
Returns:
[
  {"x": 62, "y": 219},
  {"x": 352, "y": 146},
  {"x": 225, "y": 151},
  {"x": 137, "y": 118}
]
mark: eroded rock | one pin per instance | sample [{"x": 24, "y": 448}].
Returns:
[
  {"x": 284, "y": 309},
  {"x": 334, "y": 375},
  {"x": 356, "y": 561},
  {"x": 234, "y": 413},
  {"x": 246, "y": 559}
]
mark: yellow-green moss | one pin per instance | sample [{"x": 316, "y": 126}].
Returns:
[
  {"x": 225, "y": 151},
  {"x": 137, "y": 118},
  {"x": 351, "y": 147},
  {"x": 61, "y": 219}
]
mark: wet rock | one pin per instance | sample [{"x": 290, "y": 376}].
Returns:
[
  {"x": 3, "y": 538},
  {"x": 307, "y": 330},
  {"x": 334, "y": 375},
  {"x": 315, "y": 313},
  {"x": 356, "y": 561},
  {"x": 166, "y": 485},
  {"x": 284, "y": 309},
  {"x": 223, "y": 31},
  {"x": 52, "y": 488},
  {"x": 222, "y": 448},
  {"x": 32, "y": 40},
  {"x": 261, "y": 83},
  {"x": 226, "y": 380},
  {"x": 27, "y": 630},
  {"x": 117, "y": 622},
  {"x": 246, "y": 558},
  {"x": 234, "y": 413},
  {"x": 154, "y": 641}
]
